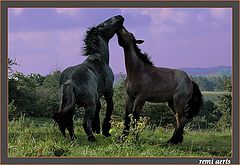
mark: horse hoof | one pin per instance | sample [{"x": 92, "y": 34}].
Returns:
[
  {"x": 91, "y": 138},
  {"x": 107, "y": 134}
]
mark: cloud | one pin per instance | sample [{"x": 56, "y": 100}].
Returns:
[
  {"x": 41, "y": 39},
  {"x": 41, "y": 51},
  {"x": 68, "y": 11},
  {"x": 45, "y": 19},
  {"x": 164, "y": 15},
  {"x": 162, "y": 20}
]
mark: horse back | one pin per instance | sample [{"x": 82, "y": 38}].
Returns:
[{"x": 158, "y": 84}]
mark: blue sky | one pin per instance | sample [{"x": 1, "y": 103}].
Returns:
[{"x": 45, "y": 39}]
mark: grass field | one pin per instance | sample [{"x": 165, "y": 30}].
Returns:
[
  {"x": 38, "y": 137},
  {"x": 212, "y": 96}
]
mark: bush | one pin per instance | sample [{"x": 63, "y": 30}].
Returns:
[
  {"x": 224, "y": 107},
  {"x": 13, "y": 111},
  {"x": 159, "y": 115},
  {"x": 33, "y": 95}
]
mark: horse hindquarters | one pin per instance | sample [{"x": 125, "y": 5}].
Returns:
[
  {"x": 64, "y": 117},
  {"x": 190, "y": 111}
]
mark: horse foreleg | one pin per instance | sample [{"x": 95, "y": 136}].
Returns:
[
  {"x": 129, "y": 108},
  {"x": 138, "y": 105},
  {"x": 106, "y": 122},
  {"x": 87, "y": 122},
  {"x": 96, "y": 119}
]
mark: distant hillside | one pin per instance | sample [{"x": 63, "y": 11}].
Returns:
[{"x": 210, "y": 71}]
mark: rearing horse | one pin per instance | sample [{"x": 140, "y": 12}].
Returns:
[
  {"x": 86, "y": 83},
  {"x": 145, "y": 82}
]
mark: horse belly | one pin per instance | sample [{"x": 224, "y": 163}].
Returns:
[{"x": 160, "y": 98}]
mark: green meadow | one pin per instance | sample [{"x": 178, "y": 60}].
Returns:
[{"x": 38, "y": 137}]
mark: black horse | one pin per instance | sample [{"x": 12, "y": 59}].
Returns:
[{"x": 86, "y": 83}]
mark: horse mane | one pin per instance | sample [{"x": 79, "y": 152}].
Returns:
[
  {"x": 143, "y": 56},
  {"x": 91, "y": 42}
]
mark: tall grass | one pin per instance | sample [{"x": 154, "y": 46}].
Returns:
[{"x": 38, "y": 137}]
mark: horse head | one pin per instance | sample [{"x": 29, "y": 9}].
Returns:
[
  {"x": 126, "y": 38},
  {"x": 108, "y": 28}
]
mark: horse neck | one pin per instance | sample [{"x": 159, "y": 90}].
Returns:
[
  {"x": 132, "y": 62},
  {"x": 103, "y": 44}
]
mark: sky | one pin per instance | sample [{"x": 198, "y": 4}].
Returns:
[{"x": 43, "y": 40}]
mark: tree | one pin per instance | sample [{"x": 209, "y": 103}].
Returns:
[
  {"x": 11, "y": 63},
  {"x": 225, "y": 107},
  {"x": 33, "y": 95},
  {"x": 22, "y": 92},
  {"x": 48, "y": 94}
]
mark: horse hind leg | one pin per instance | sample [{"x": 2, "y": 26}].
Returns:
[
  {"x": 87, "y": 122},
  {"x": 70, "y": 127},
  {"x": 96, "y": 120},
  {"x": 180, "y": 115},
  {"x": 106, "y": 122}
]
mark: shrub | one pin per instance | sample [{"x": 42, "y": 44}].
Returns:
[{"x": 13, "y": 111}]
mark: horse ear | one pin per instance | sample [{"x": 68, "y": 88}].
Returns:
[{"x": 139, "y": 41}]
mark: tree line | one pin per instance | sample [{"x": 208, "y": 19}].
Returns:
[{"x": 210, "y": 83}]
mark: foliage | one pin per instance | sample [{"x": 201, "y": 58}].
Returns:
[
  {"x": 159, "y": 115},
  {"x": 224, "y": 107},
  {"x": 210, "y": 83},
  {"x": 12, "y": 111},
  {"x": 34, "y": 94},
  {"x": 11, "y": 63},
  {"x": 48, "y": 94},
  {"x": 206, "y": 118},
  {"x": 22, "y": 91},
  {"x": 38, "y": 137},
  {"x": 119, "y": 98},
  {"x": 38, "y": 96}
]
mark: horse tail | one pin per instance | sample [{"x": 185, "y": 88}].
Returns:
[
  {"x": 67, "y": 102},
  {"x": 195, "y": 102}
]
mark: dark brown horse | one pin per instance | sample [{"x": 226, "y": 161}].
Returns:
[
  {"x": 145, "y": 82},
  {"x": 86, "y": 83}
]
